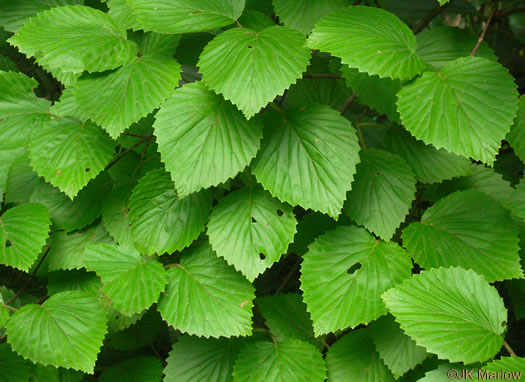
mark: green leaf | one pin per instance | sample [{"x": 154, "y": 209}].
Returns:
[
  {"x": 317, "y": 89},
  {"x": 66, "y": 78},
  {"x": 466, "y": 108},
  {"x": 4, "y": 313},
  {"x": 483, "y": 179},
  {"x": 287, "y": 318},
  {"x": 117, "y": 99},
  {"x": 310, "y": 227},
  {"x": 139, "y": 369},
  {"x": 369, "y": 39},
  {"x": 440, "y": 45},
  {"x": 194, "y": 359},
  {"x": 323, "y": 91},
  {"x": 339, "y": 277},
  {"x": 251, "y": 68},
  {"x": 255, "y": 20},
  {"x": 14, "y": 13},
  {"x": 517, "y": 201},
  {"x": 67, "y": 106},
  {"x": 7, "y": 65},
  {"x": 251, "y": 230},
  {"x": 121, "y": 12},
  {"x": 375, "y": 92},
  {"x": 304, "y": 14},
  {"x": 212, "y": 136},
  {"x": 21, "y": 112},
  {"x": 18, "y": 368},
  {"x": 7, "y": 158},
  {"x": 150, "y": 43},
  {"x": 452, "y": 312},
  {"x": 90, "y": 40},
  {"x": 23, "y": 233},
  {"x": 73, "y": 214},
  {"x": 123, "y": 270},
  {"x": 382, "y": 192},
  {"x": 291, "y": 360},
  {"x": 75, "y": 279},
  {"x": 516, "y": 136},
  {"x": 354, "y": 358},
  {"x": 206, "y": 297},
  {"x": 71, "y": 328},
  {"x": 443, "y": 2},
  {"x": 308, "y": 158},
  {"x": 135, "y": 332},
  {"x": 131, "y": 167},
  {"x": 160, "y": 221},
  {"x": 467, "y": 229},
  {"x": 186, "y": 16},
  {"x": 397, "y": 350},
  {"x": 429, "y": 164},
  {"x": 69, "y": 153},
  {"x": 67, "y": 250},
  {"x": 52, "y": 374},
  {"x": 264, "y": 6},
  {"x": 22, "y": 181},
  {"x": 513, "y": 367},
  {"x": 115, "y": 216}
]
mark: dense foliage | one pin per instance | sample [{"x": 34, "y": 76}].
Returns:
[{"x": 263, "y": 191}]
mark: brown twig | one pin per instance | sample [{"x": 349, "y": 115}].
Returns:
[
  {"x": 124, "y": 153},
  {"x": 344, "y": 107},
  {"x": 134, "y": 135},
  {"x": 41, "y": 301},
  {"x": 280, "y": 103},
  {"x": 9, "y": 307},
  {"x": 428, "y": 18},
  {"x": 24, "y": 287},
  {"x": 290, "y": 274},
  {"x": 483, "y": 32},
  {"x": 510, "y": 11},
  {"x": 359, "y": 131},
  {"x": 509, "y": 349}
]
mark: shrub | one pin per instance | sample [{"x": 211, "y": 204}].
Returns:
[{"x": 231, "y": 190}]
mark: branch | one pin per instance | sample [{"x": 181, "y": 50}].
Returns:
[
  {"x": 344, "y": 107},
  {"x": 509, "y": 349},
  {"x": 482, "y": 35},
  {"x": 10, "y": 308},
  {"x": 29, "y": 279},
  {"x": 323, "y": 75},
  {"x": 276, "y": 107},
  {"x": 290, "y": 274},
  {"x": 280, "y": 103},
  {"x": 374, "y": 124},
  {"x": 134, "y": 135},
  {"x": 428, "y": 18},
  {"x": 510, "y": 11},
  {"x": 114, "y": 161},
  {"x": 359, "y": 131}
]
